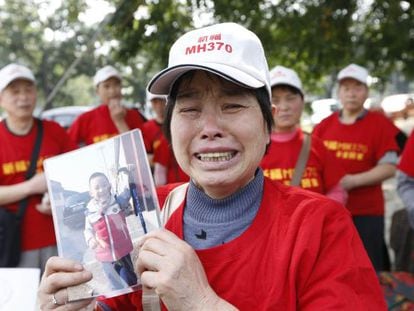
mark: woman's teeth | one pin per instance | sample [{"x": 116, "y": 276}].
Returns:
[{"x": 215, "y": 156}]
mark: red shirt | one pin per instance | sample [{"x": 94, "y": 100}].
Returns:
[
  {"x": 302, "y": 252},
  {"x": 152, "y": 133},
  {"x": 165, "y": 156},
  {"x": 407, "y": 158},
  {"x": 359, "y": 147},
  {"x": 96, "y": 125},
  {"x": 15, "y": 155},
  {"x": 322, "y": 172},
  {"x": 109, "y": 227}
]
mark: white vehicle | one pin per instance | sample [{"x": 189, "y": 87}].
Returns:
[
  {"x": 64, "y": 115},
  {"x": 397, "y": 105},
  {"x": 323, "y": 108}
]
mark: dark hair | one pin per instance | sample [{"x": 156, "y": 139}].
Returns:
[
  {"x": 288, "y": 88},
  {"x": 261, "y": 94},
  {"x": 97, "y": 174}
]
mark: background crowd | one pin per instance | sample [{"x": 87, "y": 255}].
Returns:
[{"x": 346, "y": 158}]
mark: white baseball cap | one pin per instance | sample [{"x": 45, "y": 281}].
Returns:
[
  {"x": 105, "y": 73},
  {"x": 355, "y": 72},
  {"x": 286, "y": 76},
  {"x": 13, "y": 72},
  {"x": 228, "y": 50}
]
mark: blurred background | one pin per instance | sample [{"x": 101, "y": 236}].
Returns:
[{"x": 65, "y": 41}]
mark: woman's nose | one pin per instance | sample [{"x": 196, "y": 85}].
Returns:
[
  {"x": 211, "y": 125},
  {"x": 283, "y": 105},
  {"x": 114, "y": 90},
  {"x": 23, "y": 95}
]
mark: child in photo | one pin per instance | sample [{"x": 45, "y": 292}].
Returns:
[{"x": 107, "y": 234}]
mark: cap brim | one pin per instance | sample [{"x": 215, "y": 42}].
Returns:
[
  {"x": 12, "y": 78},
  {"x": 117, "y": 76},
  {"x": 163, "y": 81},
  {"x": 353, "y": 78},
  {"x": 282, "y": 83}
]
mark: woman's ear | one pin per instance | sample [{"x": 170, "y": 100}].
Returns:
[{"x": 274, "y": 110}]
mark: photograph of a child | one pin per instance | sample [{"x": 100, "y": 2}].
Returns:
[
  {"x": 106, "y": 231},
  {"x": 103, "y": 201}
]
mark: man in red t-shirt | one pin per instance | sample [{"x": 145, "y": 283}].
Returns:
[
  {"x": 152, "y": 129},
  {"x": 111, "y": 117},
  {"x": 166, "y": 168},
  {"x": 365, "y": 143},
  {"x": 160, "y": 155},
  {"x": 18, "y": 132},
  {"x": 405, "y": 178}
]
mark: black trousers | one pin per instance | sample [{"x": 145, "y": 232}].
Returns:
[
  {"x": 120, "y": 273},
  {"x": 371, "y": 231}
]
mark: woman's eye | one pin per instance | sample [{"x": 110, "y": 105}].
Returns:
[
  {"x": 232, "y": 107},
  {"x": 188, "y": 109}
]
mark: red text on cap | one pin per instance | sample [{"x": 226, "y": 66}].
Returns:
[{"x": 204, "y": 46}]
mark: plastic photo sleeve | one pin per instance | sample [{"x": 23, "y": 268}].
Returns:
[{"x": 103, "y": 200}]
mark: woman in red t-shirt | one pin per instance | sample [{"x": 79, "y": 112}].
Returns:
[
  {"x": 322, "y": 172},
  {"x": 110, "y": 118}
]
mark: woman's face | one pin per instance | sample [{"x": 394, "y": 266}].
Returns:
[
  {"x": 218, "y": 133},
  {"x": 109, "y": 89},
  {"x": 289, "y": 107}
]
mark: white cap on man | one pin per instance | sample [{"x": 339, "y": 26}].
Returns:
[
  {"x": 105, "y": 73},
  {"x": 281, "y": 75},
  {"x": 151, "y": 96},
  {"x": 13, "y": 72},
  {"x": 228, "y": 50},
  {"x": 355, "y": 72}
]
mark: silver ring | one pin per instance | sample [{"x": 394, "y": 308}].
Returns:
[{"x": 55, "y": 301}]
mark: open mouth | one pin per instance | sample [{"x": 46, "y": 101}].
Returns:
[
  {"x": 25, "y": 106},
  {"x": 216, "y": 156},
  {"x": 104, "y": 200}
]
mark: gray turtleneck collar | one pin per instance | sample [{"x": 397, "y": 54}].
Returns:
[{"x": 209, "y": 222}]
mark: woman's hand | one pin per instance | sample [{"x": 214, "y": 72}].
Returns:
[
  {"x": 101, "y": 243},
  {"x": 92, "y": 243},
  {"x": 116, "y": 110},
  {"x": 172, "y": 268},
  {"x": 349, "y": 182},
  {"x": 118, "y": 114},
  {"x": 44, "y": 207},
  {"x": 60, "y": 273}
]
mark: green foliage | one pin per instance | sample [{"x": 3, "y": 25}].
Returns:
[
  {"x": 144, "y": 43},
  {"x": 22, "y": 40},
  {"x": 388, "y": 38},
  {"x": 82, "y": 87},
  {"x": 315, "y": 37}
]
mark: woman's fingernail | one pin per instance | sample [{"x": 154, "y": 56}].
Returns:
[{"x": 78, "y": 267}]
